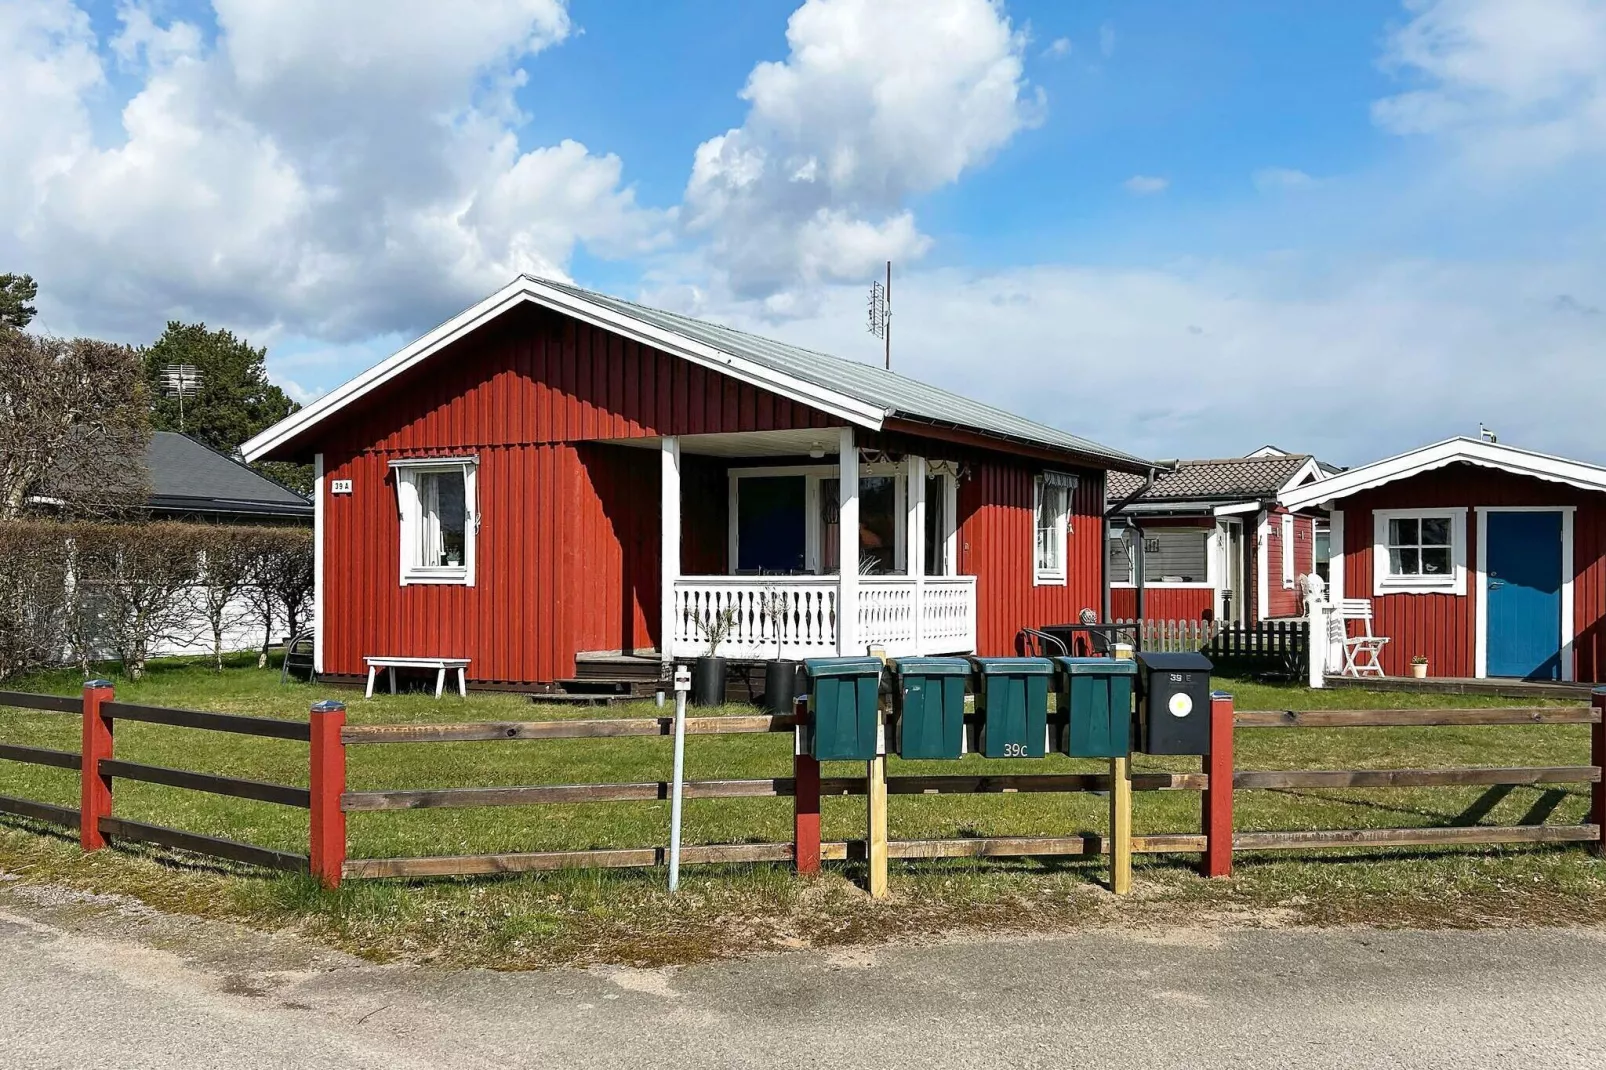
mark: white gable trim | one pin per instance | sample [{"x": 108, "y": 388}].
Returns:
[
  {"x": 1307, "y": 471},
  {"x": 1471, "y": 451},
  {"x": 525, "y": 289}
]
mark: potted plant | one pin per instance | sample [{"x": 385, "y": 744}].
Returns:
[
  {"x": 708, "y": 671},
  {"x": 1419, "y": 667},
  {"x": 780, "y": 674}
]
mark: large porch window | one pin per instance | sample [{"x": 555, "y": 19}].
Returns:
[{"x": 785, "y": 521}]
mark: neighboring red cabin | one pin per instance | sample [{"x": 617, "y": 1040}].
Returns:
[
  {"x": 1485, "y": 559},
  {"x": 1212, "y": 535},
  {"x": 556, "y": 472}
]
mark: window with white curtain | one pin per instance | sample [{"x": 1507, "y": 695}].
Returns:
[
  {"x": 1051, "y": 507},
  {"x": 439, "y": 519}
]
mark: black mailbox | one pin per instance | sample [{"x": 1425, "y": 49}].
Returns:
[{"x": 1174, "y": 703}]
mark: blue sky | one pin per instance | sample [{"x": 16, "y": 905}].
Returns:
[{"x": 1180, "y": 228}]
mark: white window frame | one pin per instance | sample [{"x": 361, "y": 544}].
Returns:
[
  {"x": 410, "y": 512},
  {"x": 1455, "y": 583},
  {"x": 945, "y": 471},
  {"x": 1288, "y": 551},
  {"x": 1059, "y": 576}
]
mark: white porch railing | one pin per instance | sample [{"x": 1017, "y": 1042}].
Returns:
[{"x": 905, "y": 616}]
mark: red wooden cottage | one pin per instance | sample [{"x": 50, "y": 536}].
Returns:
[
  {"x": 1483, "y": 558},
  {"x": 556, "y": 473},
  {"x": 1214, "y": 541}
]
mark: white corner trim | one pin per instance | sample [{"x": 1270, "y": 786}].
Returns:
[
  {"x": 319, "y": 532},
  {"x": 1262, "y": 569},
  {"x": 1455, "y": 583},
  {"x": 1335, "y": 558},
  {"x": 1480, "y": 623},
  {"x": 1471, "y": 451},
  {"x": 668, "y": 543},
  {"x": 524, "y": 290}
]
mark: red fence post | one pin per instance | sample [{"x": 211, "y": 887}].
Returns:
[
  {"x": 327, "y": 842},
  {"x": 805, "y": 801},
  {"x": 1597, "y": 758},
  {"x": 94, "y": 789},
  {"x": 1218, "y": 796}
]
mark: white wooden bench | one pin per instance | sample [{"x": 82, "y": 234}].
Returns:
[{"x": 441, "y": 666}]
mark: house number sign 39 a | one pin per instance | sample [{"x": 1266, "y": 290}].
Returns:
[{"x": 340, "y": 486}]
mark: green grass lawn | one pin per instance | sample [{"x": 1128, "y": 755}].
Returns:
[{"x": 586, "y": 915}]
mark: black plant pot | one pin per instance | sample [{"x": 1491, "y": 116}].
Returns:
[
  {"x": 780, "y": 686},
  {"x": 708, "y": 681}
]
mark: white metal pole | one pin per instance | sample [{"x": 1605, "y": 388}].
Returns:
[{"x": 682, "y": 685}]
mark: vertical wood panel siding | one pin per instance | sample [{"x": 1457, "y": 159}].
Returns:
[
  {"x": 1282, "y": 601},
  {"x": 1163, "y": 603},
  {"x": 567, "y": 551},
  {"x": 996, "y": 532},
  {"x": 1443, "y": 627}
]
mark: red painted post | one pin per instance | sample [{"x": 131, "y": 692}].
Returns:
[
  {"x": 1218, "y": 796},
  {"x": 1597, "y": 758},
  {"x": 327, "y": 843},
  {"x": 94, "y": 788},
  {"x": 805, "y": 801}
]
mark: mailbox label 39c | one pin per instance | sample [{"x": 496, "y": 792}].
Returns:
[
  {"x": 1180, "y": 705},
  {"x": 1015, "y": 750}
]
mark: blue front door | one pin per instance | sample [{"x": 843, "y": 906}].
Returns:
[{"x": 1524, "y": 607}]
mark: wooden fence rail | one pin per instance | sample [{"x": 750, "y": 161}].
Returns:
[{"x": 328, "y": 800}]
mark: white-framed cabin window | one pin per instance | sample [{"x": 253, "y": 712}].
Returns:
[
  {"x": 438, "y": 501},
  {"x": 1051, "y": 508},
  {"x": 1419, "y": 551}
]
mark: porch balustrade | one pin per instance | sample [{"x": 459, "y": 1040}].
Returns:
[{"x": 796, "y": 616}]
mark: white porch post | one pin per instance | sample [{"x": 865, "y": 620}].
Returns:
[
  {"x": 669, "y": 546},
  {"x": 915, "y": 539},
  {"x": 847, "y": 591}
]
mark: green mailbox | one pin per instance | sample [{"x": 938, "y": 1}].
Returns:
[
  {"x": 1096, "y": 693},
  {"x": 1012, "y": 697},
  {"x": 929, "y": 699},
  {"x": 842, "y": 698}
]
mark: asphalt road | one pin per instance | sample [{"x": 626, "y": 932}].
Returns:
[{"x": 88, "y": 983}]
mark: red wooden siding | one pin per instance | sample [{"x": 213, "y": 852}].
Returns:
[
  {"x": 1284, "y": 601},
  {"x": 536, "y": 376},
  {"x": 1163, "y": 603},
  {"x": 567, "y": 552},
  {"x": 996, "y": 532},
  {"x": 1442, "y": 627}
]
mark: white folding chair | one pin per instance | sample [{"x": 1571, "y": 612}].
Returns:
[{"x": 1360, "y": 651}]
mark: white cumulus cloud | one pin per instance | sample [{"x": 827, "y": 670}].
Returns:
[
  {"x": 1519, "y": 84},
  {"x": 876, "y": 101},
  {"x": 325, "y": 169}
]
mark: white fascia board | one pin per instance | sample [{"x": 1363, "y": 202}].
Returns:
[
  {"x": 1236, "y": 508},
  {"x": 1440, "y": 454},
  {"x": 525, "y": 289}
]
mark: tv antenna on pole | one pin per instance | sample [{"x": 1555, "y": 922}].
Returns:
[
  {"x": 881, "y": 312},
  {"x": 181, "y": 381}
]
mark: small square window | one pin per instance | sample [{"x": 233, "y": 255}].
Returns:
[
  {"x": 1420, "y": 552},
  {"x": 439, "y": 518}
]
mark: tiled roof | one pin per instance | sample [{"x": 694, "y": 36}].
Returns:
[
  {"x": 1232, "y": 479},
  {"x": 186, "y": 476}
]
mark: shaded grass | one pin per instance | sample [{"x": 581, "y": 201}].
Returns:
[{"x": 583, "y": 916}]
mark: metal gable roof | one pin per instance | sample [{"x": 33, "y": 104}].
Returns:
[
  {"x": 897, "y": 394},
  {"x": 1241, "y": 478},
  {"x": 861, "y": 394}
]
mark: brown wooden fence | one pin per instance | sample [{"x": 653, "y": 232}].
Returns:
[{"x": 329, "y": 802}]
